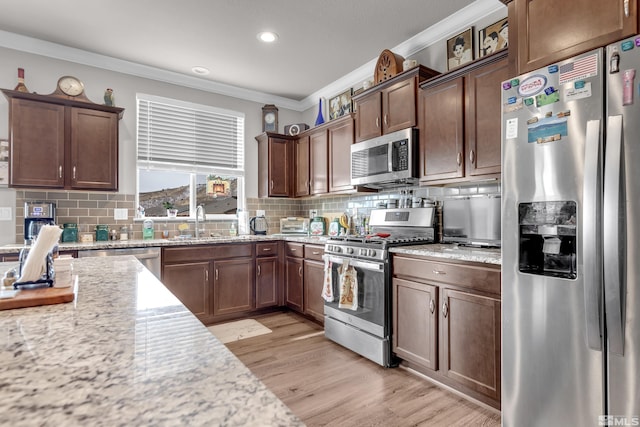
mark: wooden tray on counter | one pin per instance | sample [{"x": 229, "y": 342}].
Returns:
[{"x": 36, "y": 297}]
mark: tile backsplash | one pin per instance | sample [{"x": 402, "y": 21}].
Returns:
[{"x": 88, "y": 209}]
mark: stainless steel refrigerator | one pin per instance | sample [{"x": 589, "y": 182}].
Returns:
[{"x": 570, "y": 241}]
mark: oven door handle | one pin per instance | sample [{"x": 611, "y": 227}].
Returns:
[{"x": 365, "y": 265}]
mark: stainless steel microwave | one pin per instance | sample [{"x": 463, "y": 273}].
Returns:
[{"x": 386, "y": 161}]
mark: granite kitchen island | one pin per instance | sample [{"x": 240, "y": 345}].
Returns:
[{"x": 125, "y": 352}]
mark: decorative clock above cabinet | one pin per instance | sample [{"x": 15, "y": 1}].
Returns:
[
  {"x": 389, "y": 64},
  {"x": 270, "y": 118}
]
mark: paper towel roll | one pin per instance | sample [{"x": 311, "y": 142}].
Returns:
[{"x": 35, "y": 264}]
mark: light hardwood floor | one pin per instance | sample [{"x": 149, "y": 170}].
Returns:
[{"x": 327, "y": 385}]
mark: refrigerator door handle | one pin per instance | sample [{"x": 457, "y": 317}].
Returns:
[
  {"x": 591, "y": 233},
  {"x": 614, "y": 236}
]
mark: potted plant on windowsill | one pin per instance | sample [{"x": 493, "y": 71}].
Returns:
[{"x": 172, "y": 212}]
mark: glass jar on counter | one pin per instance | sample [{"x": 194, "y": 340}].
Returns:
[{"x": 124, "y": 233}]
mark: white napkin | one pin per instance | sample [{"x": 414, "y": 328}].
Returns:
[{"x": 35, "y": 264}]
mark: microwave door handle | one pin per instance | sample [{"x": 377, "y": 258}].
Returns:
[{"x": 390, "y": 157}]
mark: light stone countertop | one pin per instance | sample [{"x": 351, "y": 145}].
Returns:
[
  {"x": 455, "y": 252},
  {"x": 125, "y": 352},
  {"x": 120, "y": 244}
]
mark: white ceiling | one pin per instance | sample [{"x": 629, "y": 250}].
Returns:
[{"x": 320, "y": 41}]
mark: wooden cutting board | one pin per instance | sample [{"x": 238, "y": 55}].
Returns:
[{"x": 35, "y": 297}]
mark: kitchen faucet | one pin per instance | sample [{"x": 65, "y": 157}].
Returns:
[{"x": 199, "y": 209}]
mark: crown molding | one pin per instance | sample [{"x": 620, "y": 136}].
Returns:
[{"x": 448, "y": 26}]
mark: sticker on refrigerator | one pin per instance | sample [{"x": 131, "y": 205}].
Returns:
[
  {"x": 513, "y": 104},
  {"x": 578, "y": 69},
  {"x": 532, "y": 85},
  {"x": 511, "y": 128},
  {"x": 547, "y": 129},
  {"x": 547, "y": 98},
  {"x": 577, "y": 91}
]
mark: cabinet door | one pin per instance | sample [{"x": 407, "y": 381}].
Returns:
[
  {"x": 233, "y": 286},
  {"x": 279, "y": 166},
  {"x": 37, "y": 144},
  {"x": 441, "y": 110},
  {"x": 94, "y": 150},
  {"x": 313, "y": 281},
  {"x": 482, "y": 121},
  {"x": 415, "y": 322},
  {"x": 340, "y": 141},
  {"x": 548, "y": 31},
  {"x": 189, "y": 282},
  {"x": 293, "y": 283},
  {"x": 470, "y": 331},
  {"x": 266, "y": 282},
  {"x": 368, "y": 121},
  {"x": 399, "y": 106},
  {"x": 318, "y": 164},
  {"x": 301, "y": 156}
]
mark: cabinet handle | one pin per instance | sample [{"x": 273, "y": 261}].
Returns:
[
  {"x": 459, "y": 158},
  {"x": 386, "y": 120},
  {"x": 60, "y": 172},
  {"x": 432, "y": 306},
  {"x": 377, "y": 122},
  {"x": 216, "y": 276},
  {"x": 306, "y": 184},
  {"x": 293, "y": 250},
  {"x": 272, "y": 184},
  {"x": 472, "y": 156},
  {"x": 445, "y": 309},
  {"x": 300, "y": 271},
  {"x": 266, "y": 249},
  {"x": 315, "y": 253},
  {"x": 626, "y": 8},
  {"x": 74, "y": 173},
  {"x": 206, "y": 275},
  {"x": 258, "y": 270},
  {"x": 439, "y": 272}
]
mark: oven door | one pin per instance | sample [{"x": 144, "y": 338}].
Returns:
[{"x": 372, "y": 315}]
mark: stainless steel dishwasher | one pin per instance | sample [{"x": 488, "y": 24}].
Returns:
[{"x": 149, "y": 257}]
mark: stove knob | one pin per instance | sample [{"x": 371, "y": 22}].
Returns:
[
  {"x": 372, "y": 253},
  {"x": 349, "y": 251},
  {"x": 337, "y": 249},
  {"x": 363, "y": 252}
]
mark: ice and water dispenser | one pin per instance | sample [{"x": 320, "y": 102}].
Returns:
[{"x": 547, "y": 239}]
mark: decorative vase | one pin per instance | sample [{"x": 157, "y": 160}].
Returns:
[
  {"x": 172, "y": 213},
  {"x": 320, "y": 118}
]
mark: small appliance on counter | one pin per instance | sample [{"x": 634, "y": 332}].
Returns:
[
  {"x": 258, "y": 225},
  {"x": 294, "y": 225},
  {"x": 36, "y": 215}
]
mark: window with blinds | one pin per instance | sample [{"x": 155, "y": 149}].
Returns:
[{"x": 188, "y": 154}]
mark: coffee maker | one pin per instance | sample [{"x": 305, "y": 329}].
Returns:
[{"x": 36, "y": 215}]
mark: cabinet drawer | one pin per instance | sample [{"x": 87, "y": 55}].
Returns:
[
  {"x": 469, "y": 276},
  {"x": 266, "y": 249},
  {"x": 295, "y": 250},
  {"x": 313, "y": 252},
  {"x": 207, "y": 252}
]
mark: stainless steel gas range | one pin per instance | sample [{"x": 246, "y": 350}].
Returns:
[{"x": 367, "y": 328}]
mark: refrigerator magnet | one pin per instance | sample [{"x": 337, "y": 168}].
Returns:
[
  {"x": 575, "y": 92},
  {"x": 511, "y": 128}
]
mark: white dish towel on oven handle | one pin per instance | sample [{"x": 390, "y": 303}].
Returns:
[
  {"x": 327, "y": 287},
  {"x": 348, "y": 286}
]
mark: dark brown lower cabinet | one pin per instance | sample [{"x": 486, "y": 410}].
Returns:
[
  {"x": 293, "y": 296},
  {"x": 267, "y": 282},
  {"x": 313, "y": 281},
  {"x": 233, "y": 286},
  {"x": 446, "y": 323},
  {"x": 189, "y": 282}
]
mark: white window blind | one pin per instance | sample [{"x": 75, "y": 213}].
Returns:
[{"x": 189, "y": 137}]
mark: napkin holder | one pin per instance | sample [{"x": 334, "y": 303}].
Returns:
[{"x": 47, "y": 278}]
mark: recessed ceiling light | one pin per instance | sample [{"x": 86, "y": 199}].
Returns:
[
  {"x": 200, "y": 70},
  {"x": 267, "y": 37}
]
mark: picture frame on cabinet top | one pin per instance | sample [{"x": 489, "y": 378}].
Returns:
[
  {"x": 493, "y": 38},
  {"x": 460, "y": 49},
  {"x": 341, "y": 104}
]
